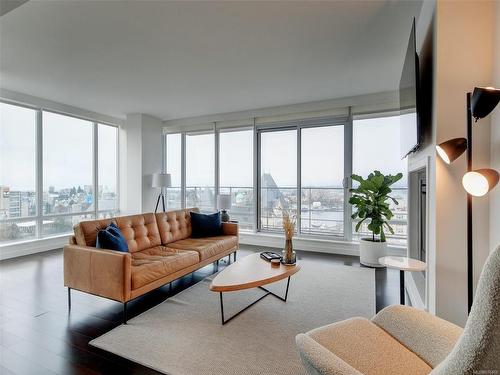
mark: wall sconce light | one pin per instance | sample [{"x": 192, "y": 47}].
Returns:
[
  {"x": 451, "y": 149},
  {"x": 477, "y": 182}
]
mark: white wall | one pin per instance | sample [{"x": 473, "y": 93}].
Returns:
[
  {"x": 141, "y": 153},
  {"x": 131, "y": 165},
  {"x": 426, "y": 156},
  {"x": 361, "y": 104},
  {"x": 461, "y": 58},
  {"x": 151, "y": 159},
  {"x": 464, "y": 32},
  {"x": 495, "y": 137}
]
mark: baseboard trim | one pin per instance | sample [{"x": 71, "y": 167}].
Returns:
[
  {"x": 312, "y": 244},
  {"x": 411, "y": 289},
  {"x": 32, "y": 247}
]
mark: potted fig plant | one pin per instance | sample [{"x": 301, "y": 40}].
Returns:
[{"x": 370, "y": 199}]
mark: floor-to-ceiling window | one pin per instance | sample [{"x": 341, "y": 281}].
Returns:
[
  {"x": 55, "y": 171},
  {"x": 322, "y": 176},
  {"x": 107, "y": 152},
  {"x": 68, "y": 189},
  {"x": 277, "y": 177},
  {"x": 17, "y": 173},
  {"x": 200, "y": 171},
  {"x": 376, "y": 147},
  {"x": 173, "y": 165},
  {"x": 301, "y": 167},
  {"x": 236, "y": 174}
]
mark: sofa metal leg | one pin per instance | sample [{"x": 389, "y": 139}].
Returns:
[
  {"x": 69, "y": 298},
  {"x": 235, "y": 256},
  {"x": 125, "y": 313}
]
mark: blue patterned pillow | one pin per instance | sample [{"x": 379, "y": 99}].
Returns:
[
  {"x": 111, "y": 238},
  {"x": 206, "y": 225}
]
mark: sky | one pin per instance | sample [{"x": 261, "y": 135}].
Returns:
[
  {"x": 67, "y": 153},
  {"x": 67, "y": 150},
  {"x": 375, "y": 147}
]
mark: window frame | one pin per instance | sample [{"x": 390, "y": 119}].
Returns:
[
  {"x": 343, "y": 120},
  {"x": 217, "y": 167},
  {"x": 39, "y": 134},
  {"x": 299, "y": 125}
]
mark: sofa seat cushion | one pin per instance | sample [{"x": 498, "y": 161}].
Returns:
[
  {"x": 206, "y": 247},
  {"x": 157, "y": 262},
  {"x": 368, "y": 348}
]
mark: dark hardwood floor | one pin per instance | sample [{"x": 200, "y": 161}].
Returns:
[{"x": 39, "y": 336}]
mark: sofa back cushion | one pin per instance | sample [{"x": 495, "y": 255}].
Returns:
[
  {"x": 140, "y": 231},
  {"x": 205, "y": 225},
  {"x": 86, "y": 231},
  {"x": 175, "y": 225}
]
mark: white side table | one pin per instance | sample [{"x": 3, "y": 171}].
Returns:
[{"x": 402, "y": 264}]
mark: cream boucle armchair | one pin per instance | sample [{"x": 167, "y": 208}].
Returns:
[{"x": 404, "y": 340}]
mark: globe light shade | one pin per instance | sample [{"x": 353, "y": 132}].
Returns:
[
  {"x": 161, "y": 180},
  {"x": 480, "y": 181},
  {"x": 483, "y": 101},
  {"x": 451, "y": 149},
  {"x": 223, "y": 201}
]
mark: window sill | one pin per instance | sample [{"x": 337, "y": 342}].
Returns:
[
  {"x": 13, "y": 250},
  {"x": 327, "y": 245}
]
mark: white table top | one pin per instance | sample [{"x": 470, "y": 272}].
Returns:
[{"x": 403, "y": 263}]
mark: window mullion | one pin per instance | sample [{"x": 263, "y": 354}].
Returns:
[
  {"x": 256, "y": 179},
  {"x": 347, "y": 183},
  {"x": 95, "y": 166},
  {"x": 299, "y": 180},
  {"x": 39, "y": 173},
  {"x": 183, "y": 170},
  {"x": 216, "y": 166}
]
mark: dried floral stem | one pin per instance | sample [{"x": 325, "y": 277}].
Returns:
[{"x": 288, "y": 225}]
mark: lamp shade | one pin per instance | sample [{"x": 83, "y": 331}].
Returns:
[
  {"x": 223, "y": 201},
  {"x": 480, "y": 181},
  {"x": 161, "y": 180},
  {"x": 483, "y": 101},
  {"x": 451, "y": 149}
]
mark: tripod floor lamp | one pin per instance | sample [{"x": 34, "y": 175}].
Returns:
[
  {"x": 476, "y": 182},
  {"x": 161, "y": 181}
]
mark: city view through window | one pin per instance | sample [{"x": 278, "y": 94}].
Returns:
[
  {"x": 68, "y": 194},
  {"x": 375, "y": 147}
]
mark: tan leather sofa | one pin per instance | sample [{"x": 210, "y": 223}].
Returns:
[{"x": 160, "y": 250}]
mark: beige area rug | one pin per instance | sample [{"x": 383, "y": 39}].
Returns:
[{"x": 184, "y": 335}]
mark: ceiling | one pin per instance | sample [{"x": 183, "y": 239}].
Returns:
[{"x": 180, "y": 59}]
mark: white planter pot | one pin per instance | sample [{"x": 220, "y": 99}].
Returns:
[{"x": 370, "y": 251}]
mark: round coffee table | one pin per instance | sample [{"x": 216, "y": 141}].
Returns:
[
  {"x": 402, "y": 264},
  {"x": 250, "y": 272}
]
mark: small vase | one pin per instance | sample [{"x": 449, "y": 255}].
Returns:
[{"x": 288, "y": 256}]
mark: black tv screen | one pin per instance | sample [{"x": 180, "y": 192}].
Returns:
[{"x": 408, "y": 99}]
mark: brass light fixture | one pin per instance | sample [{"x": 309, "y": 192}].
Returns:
[{"x": 477, "y": 182}]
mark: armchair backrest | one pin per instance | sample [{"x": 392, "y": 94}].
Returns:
[{"x": 478, "y": 349}]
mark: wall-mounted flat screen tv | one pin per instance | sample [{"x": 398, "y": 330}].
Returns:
[{"x": 408, "y": 99}]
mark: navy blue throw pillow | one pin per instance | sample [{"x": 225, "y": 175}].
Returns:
[
  {"x": 111, "y": 238},
  {"x": 205, "y": 225}
]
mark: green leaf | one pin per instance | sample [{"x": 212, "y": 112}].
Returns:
[{"x": 358, "y": 225}]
